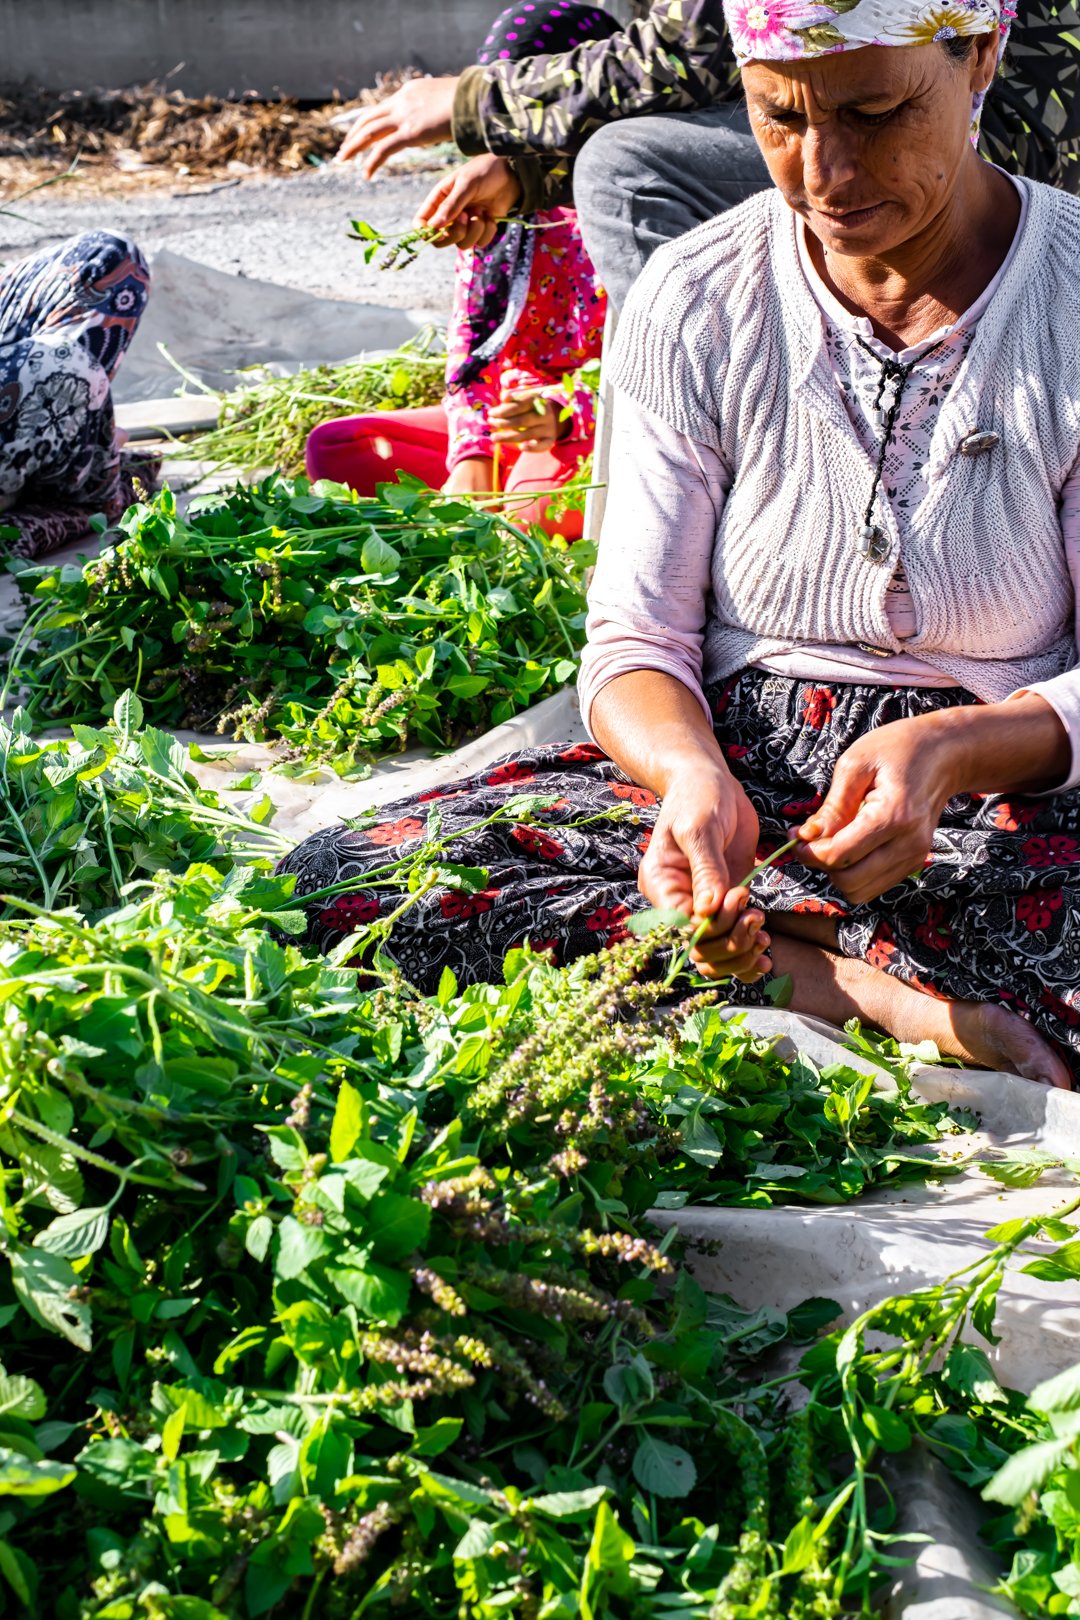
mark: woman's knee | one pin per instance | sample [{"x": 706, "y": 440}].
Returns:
[{"x": 612, "y": 164}]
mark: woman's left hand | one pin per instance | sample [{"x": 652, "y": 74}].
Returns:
[{"x": 878, "y": 820}]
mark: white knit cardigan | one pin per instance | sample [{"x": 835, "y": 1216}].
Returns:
[{"x": 721, "y": 338}]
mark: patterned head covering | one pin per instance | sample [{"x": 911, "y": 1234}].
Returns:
[{"x": 793, "y": 30}]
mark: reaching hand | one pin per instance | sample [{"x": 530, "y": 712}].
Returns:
[
  {"x": 878, "y": 820},
  {"x": 704, "y": 840},
  {"x": 466, "y": 206},
  {"x": 419, "y": 114}
]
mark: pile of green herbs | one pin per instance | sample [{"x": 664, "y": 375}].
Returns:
[
  {"x": 263, "y": 425},
  {"x": 80, "y": 819},
  {"x": 323, "y": 1298},
  {"x": 337, "y": 628}
]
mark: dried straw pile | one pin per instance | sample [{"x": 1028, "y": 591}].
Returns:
[{"x": 152, "y": 126}]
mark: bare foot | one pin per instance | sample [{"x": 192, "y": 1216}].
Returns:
[
  {"x": 838, "y": 988},
  {"x": 998, "y": 1039}
]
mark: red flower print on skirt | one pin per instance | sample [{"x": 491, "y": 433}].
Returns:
[
  {"x": 583, "y": 754},
  {"x": 935, "y": 931},
  {"x": 735, "y": 750},
  {"x": 458, "y": 907},
  {"x": 882, "y": 947},
  {"x": 511, "y": 770},
  {"x": 1061, "y": 1009},
  {"x": 611, "y": 921},
  {"x": 1036, "y": 910},
  {"x": 818, "y": 705},
  {"x": 1057, "y": 850},
  {"x": 543, "y": 947},
  {"x": 1011, "y": 817},
  {"x": 636, "y": 795},
  {"x": 803, "y": 807},
  {"x": 441, "y": 793},
  {"x": 644, "y": 841},
  {"x": 350, "y": 911},
  {"x": 927, "y": 989},
  {"x": 537, "y": 842},
  {"x": 819, "y": 908},
  {"x": 392, "y": 833}
]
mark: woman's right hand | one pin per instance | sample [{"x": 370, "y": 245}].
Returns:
[
  {"x": 704, "y": 841},
  {"x": 465, "y": 208}
]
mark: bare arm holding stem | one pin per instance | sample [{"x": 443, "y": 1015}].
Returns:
[
  {"x": 706, "y": 834},
  {"x": 889, "y": 789}
]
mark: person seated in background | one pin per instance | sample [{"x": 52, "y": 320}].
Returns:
[
  {"x": 835, "y": 612},
  {"x": 650, "y": 123},
  {"x": 66, "y": 320},
  {"x": 528, "y": 312}
]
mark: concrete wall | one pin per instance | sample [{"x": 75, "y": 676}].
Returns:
[{"x": 304, "y": 48}]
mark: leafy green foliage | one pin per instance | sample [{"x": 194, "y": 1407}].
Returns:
[
  {"x": 320, "y": 1297},
  {"x": 1024, "y": 1455},
  {"x": 81, "y": 819},
  {"x": 346, "y": 1317},
  {"x": 343, "y": 629}
]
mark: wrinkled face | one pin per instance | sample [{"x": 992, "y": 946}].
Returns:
[{"x": 868, "y": 145}]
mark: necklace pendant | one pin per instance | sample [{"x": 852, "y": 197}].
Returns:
[{"x": 873, "y": 544}]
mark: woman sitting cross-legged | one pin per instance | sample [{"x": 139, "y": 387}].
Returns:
[{"x": 837, "y": 581}]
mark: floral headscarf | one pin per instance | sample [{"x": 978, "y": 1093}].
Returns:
[{"x": 792, "y": 30}]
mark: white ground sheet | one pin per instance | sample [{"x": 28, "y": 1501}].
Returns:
[{"x": 214, "y": 324}]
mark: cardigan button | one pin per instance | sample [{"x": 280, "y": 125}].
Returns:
[
  {"x": 979, "y": 442},
  {"x": 872, "y": 544}
]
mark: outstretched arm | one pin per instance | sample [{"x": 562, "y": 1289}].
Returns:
[{"x": 674, "y": 59}]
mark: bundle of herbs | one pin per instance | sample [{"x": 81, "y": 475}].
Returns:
[
  {"x": 340, "y": 629},
  {"x": 264, "y": 423}
]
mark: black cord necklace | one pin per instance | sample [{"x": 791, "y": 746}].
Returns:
[{"x": 873, "y": 543}]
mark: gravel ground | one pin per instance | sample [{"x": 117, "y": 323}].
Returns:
[{"x": 292, "y": 231}]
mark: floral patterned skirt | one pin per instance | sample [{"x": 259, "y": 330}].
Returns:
[{"x": 995, "y": 915}]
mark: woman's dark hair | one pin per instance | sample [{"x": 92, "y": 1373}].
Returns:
[{"x": 959, "y": 46}]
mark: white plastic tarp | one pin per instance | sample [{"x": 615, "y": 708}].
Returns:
[{"x": 215, "y": 324}]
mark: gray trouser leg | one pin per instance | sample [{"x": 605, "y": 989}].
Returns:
[{"x": 642, "y": 181}]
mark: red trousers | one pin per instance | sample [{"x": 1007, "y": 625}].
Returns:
[{"x": 363, "y": 451}]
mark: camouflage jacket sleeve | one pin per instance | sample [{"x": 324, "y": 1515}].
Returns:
[{"x": 673, "y": 59}]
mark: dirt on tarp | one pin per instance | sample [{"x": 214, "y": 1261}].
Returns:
[{"x": 153, "y": 133}]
